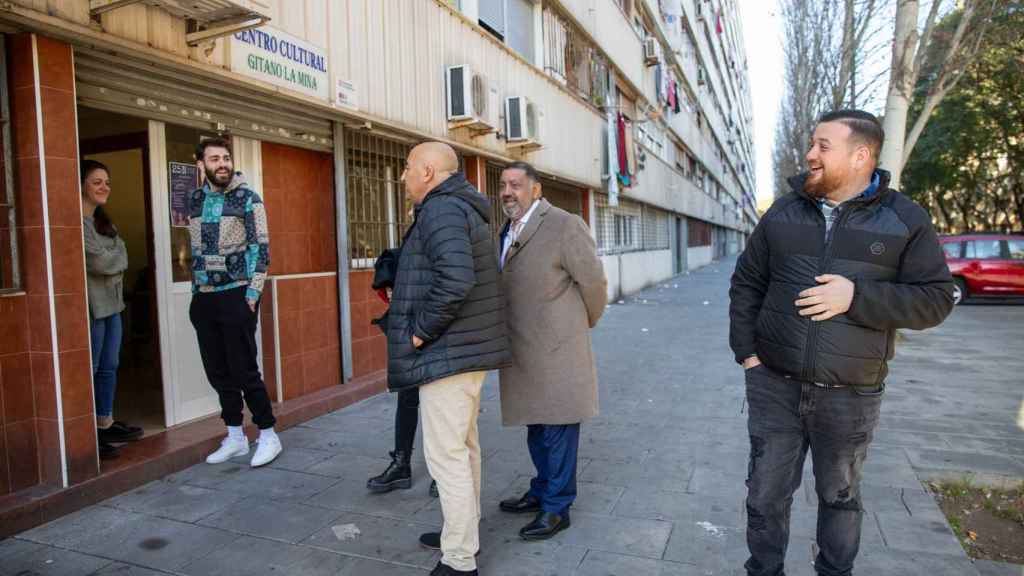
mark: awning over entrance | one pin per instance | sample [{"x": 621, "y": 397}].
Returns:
[{"x": 123, "y": 85}]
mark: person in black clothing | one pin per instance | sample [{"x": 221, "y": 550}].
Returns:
[
  {"x": 398, "y": 474},
  {"x": 446, "y": 330},
  {"x": 829, "y": 274}
]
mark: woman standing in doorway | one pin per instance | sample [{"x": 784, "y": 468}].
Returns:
[{"x": 106, "y": 259}]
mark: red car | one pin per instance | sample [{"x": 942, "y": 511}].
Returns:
[{"x": 986, "y": 265}]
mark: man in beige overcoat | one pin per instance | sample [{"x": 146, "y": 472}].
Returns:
[{"x": 555, "y": 291}]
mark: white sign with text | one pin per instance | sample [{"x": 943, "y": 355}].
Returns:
[{"x": 281, "y": 59}]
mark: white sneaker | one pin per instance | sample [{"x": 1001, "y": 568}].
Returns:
[
  {"x": 229, "y": 448},
  {"x": 266, "y": 450}
]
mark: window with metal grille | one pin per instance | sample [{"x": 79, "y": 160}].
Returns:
[
  {"x": 655, "y": 228},
  {"x": 378, "y": 211},
  {"x": 10, "y": 279},
  {"x": 562, "y": 195},
  {"x": 698, "y": 232},
  {"x": 571, "y": 59},
  {"x": 618, "y": 228},
  {"x": 492, "y": 188}
]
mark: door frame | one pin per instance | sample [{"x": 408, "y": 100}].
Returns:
[
  {"x": 247, "y": 156},
  {"x": 160, "y": 205},
  {"x": 139, "y": 141}
]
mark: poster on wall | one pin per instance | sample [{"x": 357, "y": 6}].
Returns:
[
  {"x": 184, "y": 178},
  {"x": 345, "y": 94}
]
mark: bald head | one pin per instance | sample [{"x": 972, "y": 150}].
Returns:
[
  {"x": 428, "y": 165},
  {"x": 439, "y": 155}
]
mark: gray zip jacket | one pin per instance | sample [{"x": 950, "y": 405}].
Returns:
[{"x": 106, "y": 259}]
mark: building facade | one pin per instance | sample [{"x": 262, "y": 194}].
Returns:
[{"x": 636, "y": 112}]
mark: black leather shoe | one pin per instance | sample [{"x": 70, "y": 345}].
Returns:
[
  {"x": 544, "y": 526},
  {"x": 398, "y": 475},
  {"x": 524, "y": 505},
  {"x": 445, "y": 570},
  {"x": 433, "y": 489},
  {"x": 432, "y": 541}
]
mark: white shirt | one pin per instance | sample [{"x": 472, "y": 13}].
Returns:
[{"x": 513, "y": 234}]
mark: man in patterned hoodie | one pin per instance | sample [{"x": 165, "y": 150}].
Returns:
[{"x": 230, "y": 256}]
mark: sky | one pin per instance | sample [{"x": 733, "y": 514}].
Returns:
[{"x": 762, "y": 36}]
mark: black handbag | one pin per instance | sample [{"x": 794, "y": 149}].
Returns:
[{"x": 384, "y": 272}]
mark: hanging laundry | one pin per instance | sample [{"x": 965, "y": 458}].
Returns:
[
  {"x": 631, "y": 152},
  {"x": 663, "y": 85},
  {"x": 622, "y": 146}
]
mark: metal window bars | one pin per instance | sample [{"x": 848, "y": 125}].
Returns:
[
  {"x": 572, "y": 60},
  {"x": 378, "y": 211},
  {"x": 10, "y": 277},
  {"x": 630, "y": 226}
]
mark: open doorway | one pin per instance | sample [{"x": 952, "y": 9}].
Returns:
[{"x": 121, "y": 143}]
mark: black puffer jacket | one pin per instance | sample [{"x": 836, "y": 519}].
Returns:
[
  {"x": 884, "y": 243},
  {"x": 447, "y": 291}
]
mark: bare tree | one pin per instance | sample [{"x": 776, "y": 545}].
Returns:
[
  {"x": 909, "y": 53},
  {"x": 828, "y": 48}
]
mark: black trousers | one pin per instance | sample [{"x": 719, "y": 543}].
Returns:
[
  {"x": 407, "y": 418},
  {"x": 786, "y": 419},
  {"x": 226, "y": 329}
]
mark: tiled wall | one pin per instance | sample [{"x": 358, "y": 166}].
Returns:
[
  {"x": 369, "y": 345},
  {"x": 30, "y": 422},
  {"x": 298, "y": 189},
  {"x": 299, "y": 196},
  {"x": 309, "y": 336}
]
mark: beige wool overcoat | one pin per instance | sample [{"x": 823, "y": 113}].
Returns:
[{"x": 555, "y": 291}]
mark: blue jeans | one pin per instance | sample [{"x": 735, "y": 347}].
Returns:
[
  {"x": 106, "y": 355},
  {"x": 786, "y": 419},
  {"x": 554, "y": 451}
]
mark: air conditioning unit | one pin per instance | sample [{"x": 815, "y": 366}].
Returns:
[
  {"x": 522, "y": 123},
  {"x": 650, "y": 51},
  {"x": 472, "y": 101}
]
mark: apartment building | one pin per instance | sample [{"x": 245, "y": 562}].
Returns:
[{"x": 636, "y": 112}]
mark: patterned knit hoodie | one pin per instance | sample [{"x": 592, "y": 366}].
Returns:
[{"x": 230, "y": 241}]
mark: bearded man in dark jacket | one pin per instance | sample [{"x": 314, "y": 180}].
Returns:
[
  {"x": 830, "y": 273},
  {"x": 446, "y": 329}
]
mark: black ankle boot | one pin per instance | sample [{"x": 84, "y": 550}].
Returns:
[{"x": 398, "y": 475}]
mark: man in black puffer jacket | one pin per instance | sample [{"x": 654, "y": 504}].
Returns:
[
  {"x": 446, "y": 329},
  {"x": 829, "y": 274}
]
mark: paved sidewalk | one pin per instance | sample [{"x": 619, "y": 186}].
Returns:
[{"x": 661, "y": 476}]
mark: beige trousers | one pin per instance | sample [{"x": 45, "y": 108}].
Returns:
[{"x": 451, "y": 446}]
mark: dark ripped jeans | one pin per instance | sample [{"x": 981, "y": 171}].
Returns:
[{"x": 786, "y": 417}]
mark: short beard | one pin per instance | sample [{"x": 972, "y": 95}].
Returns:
[
  {"x": 824, "y": 186},
  {"x": 215, "y": 180},
  {"x": 513, "y": 213}
]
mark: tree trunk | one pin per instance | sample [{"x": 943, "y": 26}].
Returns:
[
  {"x": 846, "y": 57},
  {"x": 901, "y": 86},
  {"x": 947, "y": 220}
]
